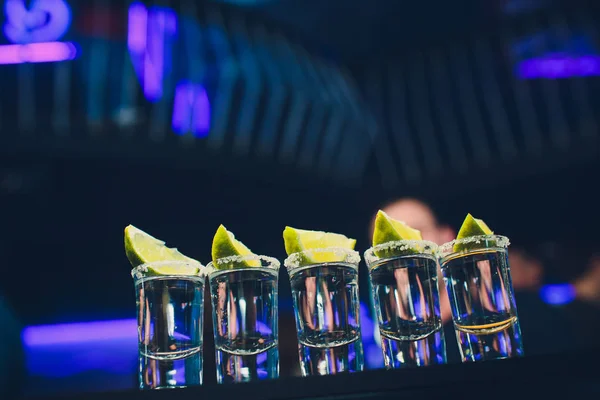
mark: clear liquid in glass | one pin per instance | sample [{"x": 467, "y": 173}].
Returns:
[
  {"x": 406, "y": 299},
  {"x": 245, "y": 324},
  {"x": 483, "y": 305},
  {"x": 327, "y": 311},
  {"x": 170, "y": 331}
]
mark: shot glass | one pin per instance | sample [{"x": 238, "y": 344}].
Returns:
[
  {"x": 327, "y": 310},
  {"x": 169, "y": 315},
  {"x": 477, "y": 276},
  {"x": 245, "y": 313},
  {"x": 404, "y": 284}
]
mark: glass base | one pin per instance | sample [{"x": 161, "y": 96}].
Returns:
[
  {"x": 505, "y": 343},
  {"x": 234, "y": 368},
  {"x": 430, "y": 350},
  {"x": 170, "y": 373},
  {"x": 331, "y": 360}
]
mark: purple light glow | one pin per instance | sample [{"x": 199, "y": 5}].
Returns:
[
  {"x": 44, "y": 21},
  {"x": 367, "y": 326},
  {"x": 261, "y": 358},
  {"x": 146, "y": 36},
  {"x": 37, "y": 52},
  {"x": 148, "y": 31},
  {"x": 557, "y": 295},
  {"x": 154, "y": 58},
  {"x": 64, "y": 350},
  {"x": 559, "y": 66},
  {"x": 138, "y": 22},
  {"x": 372, "y": 350},
  {"x": 191, "y": 110},
  {"x": 114, "y": 357},
  {"x": 80, "y": 332}
]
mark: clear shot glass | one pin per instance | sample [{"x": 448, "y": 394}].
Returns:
[
  {"x": 169, "y": 315},
  {"x": 404, "y": 284},
  {"x": 477, "y": 276},
  {"x": 245, "y": 317},
  {"x": 327, "y": 310}
]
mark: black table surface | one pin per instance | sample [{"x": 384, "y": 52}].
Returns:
[{"x": 568, "y": 376}]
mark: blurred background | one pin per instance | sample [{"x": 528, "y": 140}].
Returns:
[{"x": 177, "y": 116}]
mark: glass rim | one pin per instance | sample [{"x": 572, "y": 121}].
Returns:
[
  {"x": 271, "y": 264},
  {"x": 139, "y": 271},
  {"x": 428, "y": 248},
  {"x": 447, "y": 249},
  {"x": 347, "y": 256}
]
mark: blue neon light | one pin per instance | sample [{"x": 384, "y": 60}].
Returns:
[
  {"x": 191, "y": 110},
  {"x": 35, "y": 32},
  {"x": 151, "y": 33},
  {"x": 63, "y": 350},
  {"x": 43, "y": 21},
  {"x": 557, "y": 66},
  {"x": 370, "y": 338},
  {"x": 148, "y": 33},
  {"x": 557, "y": 295}
]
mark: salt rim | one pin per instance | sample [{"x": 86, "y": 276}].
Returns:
[
  {"x": 294, "y": 261},
  {"x": 271, "y": 263},
  {"x": 423, "y": 246},
  {"x": 448, "y": 248},
  {"x": 139, "y": 271}
]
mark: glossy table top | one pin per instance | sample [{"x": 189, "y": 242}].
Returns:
[{"x": 571, "y": 375}]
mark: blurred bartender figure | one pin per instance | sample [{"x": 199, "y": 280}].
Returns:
[
  {"x": 12, "y": 365},
  {"x": 543, "y": 327}
]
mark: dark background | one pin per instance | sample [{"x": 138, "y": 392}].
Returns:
[{"x": 427, "y": 102}]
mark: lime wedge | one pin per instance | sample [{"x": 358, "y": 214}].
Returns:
[
  {"x": 299, "y": 240},
  {"x": 388, "y": 229},
  {"x": 226, "y": 245},
  {"x": 471, "y": 227},
  {"x": 141, "y": 248}
]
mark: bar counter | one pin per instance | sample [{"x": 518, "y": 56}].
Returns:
[{"x": 568, "y": 376}]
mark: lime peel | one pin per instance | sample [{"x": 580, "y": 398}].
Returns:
[
  {"x": 143, "y": 249},
  {"x": 472, "y": 228},
  {"x": 298, "y": 240},
  {"x": 388, "y": 229},
  {"x": 227, "y": 250},
  {"x": 312, "y": 247}
]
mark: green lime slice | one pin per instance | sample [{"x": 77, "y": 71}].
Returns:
[
  {"x": 299, "y": 240},
  {"x": 142, "y": 248},
  {"x": 388, "y": 229},
  {"x": 471, "y": 227},
  {"x": 226, "y": 245}
]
